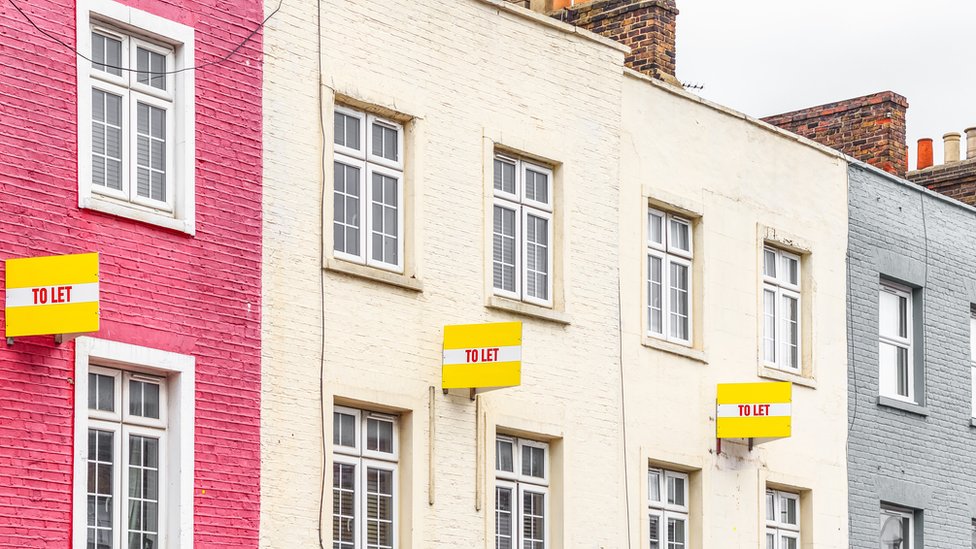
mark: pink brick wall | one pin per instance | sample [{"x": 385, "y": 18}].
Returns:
[{"x": 195, "y": 295}]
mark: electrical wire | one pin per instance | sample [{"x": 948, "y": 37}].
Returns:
[
  {"x": 322, "y": 406},
  {"x": 223, "y": 59}
]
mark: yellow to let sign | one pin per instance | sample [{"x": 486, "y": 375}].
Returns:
[
  {"x": 482, "y": 355},
  {"x": 51, "y": 295},
  {"x": 754, "y": 410}
]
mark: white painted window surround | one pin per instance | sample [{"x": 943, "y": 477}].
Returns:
[
  {"x": 670, "y": 299},
  {"x": 781, "y": 318},
  {"x": 667, "y": 509},
  {"x": 93, "y": 355},
  {"x": 156, "y": 187},
  {"x": 896, "y": 346},
  {"x": 782, "y": 520},
  {"x": 522, "y": 513}
]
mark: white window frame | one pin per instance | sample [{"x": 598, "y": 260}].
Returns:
[
  {"x": 669, "y": 254},
  {"x": 523, "y": 207},
  {"x": 520, "y": 484},
  {"x": 782, "y": 287},
  {"x": 664, "y": 510},
  {"x": 176, "y": 446},
  {"x": 888, "y": 511},
  {"x": 972, "y": 356},
  {"x": 178, "y": 212},
  {"x": 778, "y": 528},
  {"x": 368, "y": 164},
  {"x": 907, "y": 343},
  {"x": 363, "y": 460}
]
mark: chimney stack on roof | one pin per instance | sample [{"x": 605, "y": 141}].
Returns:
[
  {"x": 956, "y": 178},
  {"x": 647, "y": 27}
]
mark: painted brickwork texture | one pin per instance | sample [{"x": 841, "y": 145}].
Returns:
[
  {"x": 955, "y": 180},
  {"x": 647, "y": 27},
  {"x": 459, "y": 68},
  {"x": 869, "y": 128},
  {"x": 897, "y": 456},
  {"x": 194, "y": 295}
]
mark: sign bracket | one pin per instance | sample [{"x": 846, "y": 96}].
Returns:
[{"x": 10, "y": 342}]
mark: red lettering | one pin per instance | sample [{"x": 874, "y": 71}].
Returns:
[
  {"x": 67, "y": 293},
  {"x": 744, "y": 410},
  {"x": 59, "y": 296},
  {"x": 35, "y": 290},
  {"x": 43, "y": 296}
]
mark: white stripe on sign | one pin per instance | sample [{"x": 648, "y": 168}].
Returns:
[
  {"x": 483, "y": 354},
  {"x": 779, "y": 409},
  {"x": 52, "y": 295}
]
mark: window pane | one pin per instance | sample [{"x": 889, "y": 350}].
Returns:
[
  {"x": 106, "y": 54},
  {"x": 385, "y": 142},
  {"x": 787, "y": 510},
  {"x": 769, "y": 325},
  {"x": 143, "y": 471},
  {"x": 503, "y": 518},
  {"x": 889, "y": 314},
  {"x": 533, "y": 461},
  {"x": 533, "y": 520},
  {"x": 791, "y": 268},
  {"x": 655, "y": 228},
  {"x": 894, "y": 375},
  {"x": 676, "y": 490},
  {"x": 379, "y": 435},
  {"x": 680, "y": 233},
  {"x": 536, "y": 186},
  {"x": 106, "y": 139},
  {"x": 151, "y": 152},
  {"x": 972, "y": 338},
  {"x": 379, "y": 508},
  {"x": 770, "y": 541},
  {"x": 151, "y": 67},
  {"x": 770, "y": 506},
  {"x": 769, "y": 263},
  {"x": 503, "y": 249},
  {"x": 385, "y": 212},
  {"x": 654, "y": 484},
  {"x": 346, "y": 131},
  {"x": 504, "y": 176},
  {"x": 678, "y": 301},
  {"x": 345, "y": 210},
  {"x": 343, "y": 505},
  {"x": 504, "y": 455},
  {"x": 101, "y": 392},
  {"x": 344, "y": 429},
  {"x": 791, "y": 332},
  {"x": 655, "y": 531},
  {"x": 789, "y": 542},
  {"x": 537, "y": 257},
  {"x": 144, "y": 399},
  {"x": 101, "y": 487},
  {"x": 676, "y": 533},
  {"x": 655, "y": 305}
]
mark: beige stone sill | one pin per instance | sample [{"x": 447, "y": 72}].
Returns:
[
  {"x": 780, "y": 375},
  {"x": 674, "y": 348},
  {"x": 527, "y": 309},
  {"x": 372, "y": 273}
]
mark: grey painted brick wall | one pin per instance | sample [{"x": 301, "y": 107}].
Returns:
[{"x": 927, "y": 460}]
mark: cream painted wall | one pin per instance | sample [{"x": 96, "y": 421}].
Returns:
[
  {"x": 465, "y": 76},
  {"x": 746, "y": 183}
]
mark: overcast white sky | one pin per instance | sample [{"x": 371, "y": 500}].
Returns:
[{"x": 764, "y": 57}]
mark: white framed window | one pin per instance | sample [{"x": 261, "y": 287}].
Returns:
[
  {"x": 782, "y": 520},
  {"x": 897, "y": 528},
  {"x": 670, "y": 251},
  {"x": 667, "y": 509},
  {"x": 521, "y": 493},
  {"x": 368, "y": 206},
  {"x": 895, "y": 327},
  {"x": 133, "y": 454},
  {"x": 781, "y": 287},
  {"x": 136, "y": 136},
  {"x": 365, "y": 453},
  {"x": 522, "y": 230},
  {"x": 972, "y": 357}
]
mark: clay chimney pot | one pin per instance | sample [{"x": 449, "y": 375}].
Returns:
[{"x": 924, "y": 159}]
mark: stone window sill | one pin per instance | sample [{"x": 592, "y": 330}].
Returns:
[
  {"x": 780, "y": 375},
  {"x": 903, "y": 406},
  {"x": 527, "y": 309},
  {"x": 674, "y": 348},
  {"x": 374, "y": 274}
]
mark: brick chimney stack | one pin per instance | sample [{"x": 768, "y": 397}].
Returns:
[
  {"x": 647, "y": 27},
  {"x": 869, "y": 128}
]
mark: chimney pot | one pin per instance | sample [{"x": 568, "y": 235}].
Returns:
[
  {"x": 970, "y": 143},
  {"x": 950, "y": 147},
  {"x": 924, "y": 159}
]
